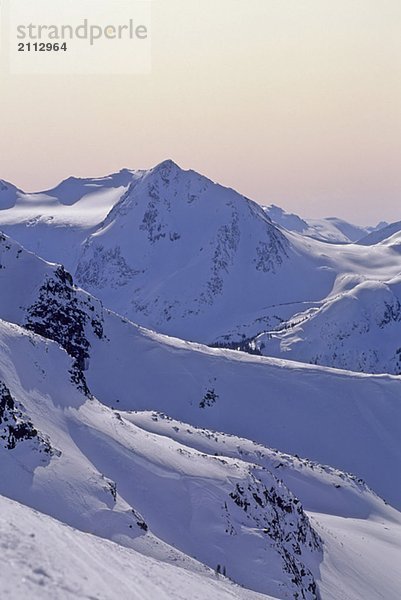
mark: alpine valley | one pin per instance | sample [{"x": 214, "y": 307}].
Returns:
[{"x": 200, "y": 397}]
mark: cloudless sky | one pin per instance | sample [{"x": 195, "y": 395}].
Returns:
[{"x": 292, "y": 102}]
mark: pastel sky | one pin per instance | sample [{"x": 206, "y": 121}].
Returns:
[{"x": 292, "y": 102}]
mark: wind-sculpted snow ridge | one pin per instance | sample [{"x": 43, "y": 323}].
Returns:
[
  {"x": 313, "y": 483},
  {"x": 141, "y": 490},
  {"x": 218, "y": 442},
  {"x": 358, "y": 329},
  {"x": 341, "y": 507}
]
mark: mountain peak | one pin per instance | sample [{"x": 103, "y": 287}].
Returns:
[
  {"x": 167, "y": 166},
  {"x": 6, "y": 185},
  {"x": 8, "y": 194},
  {"x": 168, "y": 163}
]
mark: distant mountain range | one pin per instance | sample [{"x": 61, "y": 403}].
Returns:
[{"x": 330, "y": 229}]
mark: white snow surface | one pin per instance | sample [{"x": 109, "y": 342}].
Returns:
[
  {"x": 359, "y": 329},
  {"x": 49, "y": 560}
]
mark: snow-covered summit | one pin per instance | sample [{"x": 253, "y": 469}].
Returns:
[
  {"x": 175, "y": 248},
  {"x": 9, "y": 195}
]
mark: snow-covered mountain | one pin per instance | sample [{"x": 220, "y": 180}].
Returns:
[
  {"x": 54, "y": 223},
  {"x": 171, "y": 253},
  {"x": 384, "y": 234},
  {"x": 329, "y": 229},
  {"x": 182, "y": 255},
  {"x": 359, "y": 329},
  {"x": 8, "y": 195},
  {"x": 153, "y": 466}
]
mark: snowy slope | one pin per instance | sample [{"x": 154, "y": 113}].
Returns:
[
  {"x": 352, "y": 232},
  {"x": 150, "y": 484},
  {"x": 54, "y": 223},
  {"x": 274, "y": 402},
  {"x": 68, "y": 456},
  {"x": 312, "y": 482},
  {"x": 299, "y": 409},
  {"x": 71, "y": 448},
  {"x": 342, "y": 509},
  {"x": 358, "y": 329},
  {"x": 48, "y": 560}
]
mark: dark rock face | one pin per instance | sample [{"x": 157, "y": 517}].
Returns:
[
  {"x": 107, "y": 268},
  {"x": 247, "y": 345},
  {"x": 280, "y": 516},
  {"x": 68, "y": 318},
  {"x": 209, "y": 398},
  {"x": 15, "y": 427}
]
